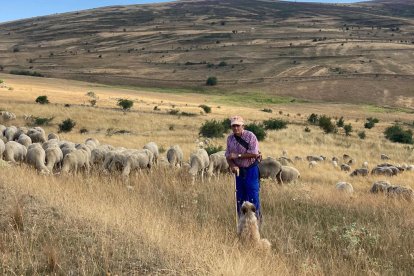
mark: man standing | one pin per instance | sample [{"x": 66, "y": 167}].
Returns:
[{"x": 243, "y": 156}]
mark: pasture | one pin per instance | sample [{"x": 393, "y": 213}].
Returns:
[{"x": 93, "y": 224}]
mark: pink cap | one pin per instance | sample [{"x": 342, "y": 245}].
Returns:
[{"x": 236, "y": 120}]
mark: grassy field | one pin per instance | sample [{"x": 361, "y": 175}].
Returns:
[{"x": 93, "y": 224}]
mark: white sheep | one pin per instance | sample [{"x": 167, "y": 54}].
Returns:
[
  {"x": 54, "y": 157},
  {"x": 9, "y": 133},
  {"x": 344, "y": 187},
  {"x": 24, "y": 140},
  {"x": 153, "y": 147},
  {"x": 36, "y": 157},
  {"x": 218, "y": 164},
  {"x": 199, "y": 162},
  {"x": 14, "y": 152},
  {"x": 175, "y": 156},
  {"x": 2, "y": 148},
  {"x": 271, "y": 168},
  {"x": 76, "y": 160},
  {"x": 53, "y": 136},
  {"x": 289, "y": 174}
]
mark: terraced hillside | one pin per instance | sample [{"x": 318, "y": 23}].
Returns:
[{"x": 347, "y": 53}]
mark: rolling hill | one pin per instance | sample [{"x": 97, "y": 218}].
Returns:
[{"x": 356, "y": 53}]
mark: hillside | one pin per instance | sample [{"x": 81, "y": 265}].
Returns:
[{"x": 359, "y": 53}]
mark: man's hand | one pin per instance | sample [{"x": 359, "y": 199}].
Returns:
[
  {"x": 233, "y": 156},
  {"x": 235, "y": 169}
]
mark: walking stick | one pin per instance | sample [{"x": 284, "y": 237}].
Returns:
[{"x": 235, "y": 196}]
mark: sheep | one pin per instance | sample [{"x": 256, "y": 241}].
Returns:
[
  {"x": 284, "y": 160},
  {"x": 76, "y": 160},
  {"x": 359, "y": 172},
  {"x": 289, "y": 174},
  {"x": 345, "y": 168},
  {"x": 92, "y": 143},
  {"x": 380, "y": 186},
  {"x": 298, "y": 158},
  {"x": 152, "y": 146},
  {"x": 67, "y": 147},
  {"x": 315, "y": 158},
  {"x": 98, "y": 155},
  {"x": 6, "y": 115},
  {"x": 199, "y": 162},
  {"x": 351, "y": 162},
  {"x": 382, "y": 171},
  {"x": 37, "y": 135},
  {"x": 20, "y": 131},
  {"x": 136, "y": 161},
  {"x": 36, "y": 156},
  {"x": 402, "y": 192},
  {"x": 346, "y": 157},
  {"x": 2, "y": 148},
  {"x": 335, "y": 159},
  {"x": 271, "y": 168},
  {"x": 14, "y": 152},
  {"x": 50, "y": 143},
  {"x": 54, "y": 157},
  {"x": 410, "y": 168},
  {"x": 53, "y": 136},
  {"x": 384, "y": 157},
  {"x": 334, "y": 164},
  {"x": 344, "y": 187},
  {"x": 313, "y": 164},
  {"x": 24, "y": 140},
  {"x": 284, "y": 153},
  {"x": 9, "y": 133},
  {"x": 218, "y": 164},
  {"x": 365, "y": 165},
  {"x": 175, "y": 156}
]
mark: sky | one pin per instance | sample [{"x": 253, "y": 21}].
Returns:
[{"x": 19, "y": 9}]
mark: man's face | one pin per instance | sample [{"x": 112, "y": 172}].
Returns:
[{"x": 237, "y": 129}]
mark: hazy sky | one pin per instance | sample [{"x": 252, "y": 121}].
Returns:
[{"x": 18, "y": 9}]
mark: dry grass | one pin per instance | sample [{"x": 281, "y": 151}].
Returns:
[{"x": 92, "y": 224}]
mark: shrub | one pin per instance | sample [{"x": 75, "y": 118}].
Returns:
[
  {"x": 171, "y": 127},
  {"x": 83, "y": 131},
  {"x": 188, "y": 114},
  {"x": 26, "y": 73},
  {"x": 93, "y": 98},
  {"x": 40, "y": 121},
  {"x": 212, "y": 129},
  {"x": 42, "y": 100},
  {"x": 258, "y": 130},
  {"x": 397, "y": 134},
  {"x": 340, "y": 122},
  {"x": 307, "y": 129},
  {"x": 348, "y": 129},
  {"x": 361, "y": 134},
  {"x": 226, "y": 124},
  {"x": 371, "y": 122},
  {"x": 326, "y": 124},
  {"x": 222, "y": 63},
  {"x": 213, "y": 149},
  {"x": 313, "y": 118},
  {"x": 267, "y": 110},
  {"x": 206, "y": 108},
  {"x": 174, "y": 111},
  {"x": 67, "y": 105},
  {"x": 67, "y": 125},
  {"x": 125, "y": 104},
  {"x": 1, "y": 81},
  {"x": 275, "y": 124},
  {"x": 211, "y": 81}
]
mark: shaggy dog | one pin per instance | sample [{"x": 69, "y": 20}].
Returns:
[{"x": 248, "y": 229}]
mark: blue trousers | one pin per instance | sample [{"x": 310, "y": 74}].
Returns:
[{"x": 248, "y": 188}]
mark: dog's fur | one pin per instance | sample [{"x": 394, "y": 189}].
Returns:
[{"x": 248, "y": 229}]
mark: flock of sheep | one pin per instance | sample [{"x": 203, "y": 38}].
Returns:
[{"x": 49, "y": 155}]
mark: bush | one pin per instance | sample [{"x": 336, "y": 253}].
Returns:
[
  {"x": 83, "y": 131},
  {"x": 361, "y": 134},
  {"x": 226, "y": 124},
  {"x": 397, "y": 134},
  {"x": 307, "y": 129},
  {"x": 26, "y": 73},
  {"x": 340, "y": 122},
  {"x": 42, "y": 100},
  {"x": 1, "y": 81},
  {"x": 67, "y": 125},
  {"x": 348, "y": 129},
  {"x": 211, "y": 81},
  {"x": 213, "y": 149},
  {"x": 222, "y": 63},
  {"x": 212, "y": 129},
  {"x": 125, "y": 104},
  {"x": 258, "y": 130},
  {"x": 206, "y": 108},
  {"x": 326, "y": 124},
  {"x": 174, "y": 111},
  {"x": 40, "y": 121},
  {"x": 313, "y": 118},
  {"x": 267, "y": 110},
  {"x": 275, "y": 124},
  {"x": 371, "y": 122},
  {"x": 188, "y": 114}
]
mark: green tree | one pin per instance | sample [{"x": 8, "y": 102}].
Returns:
[
  {"x": 42, "y": 100},
  {"x": 348, "y": 129},
  {"x": 67, "y": 125},
  {"x": 212, "y": 129},
  {"x": 313, "y": 118},
  {"x": 396, "y": 134},
  {"x": 258, "y": 130},
  {"x": 125, "y": 104},
  {"x": 326, "y": 124},
  {"x": 340, "y": 122},
  {"x": 211, "y": 81}
]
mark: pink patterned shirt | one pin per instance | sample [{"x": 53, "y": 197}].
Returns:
[{"x": 234, "y": 147}]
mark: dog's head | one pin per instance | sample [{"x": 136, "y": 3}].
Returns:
[{"x": 247, "y": 206}]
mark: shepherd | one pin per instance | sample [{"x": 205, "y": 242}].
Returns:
[{"x": 243, "y": 157}]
